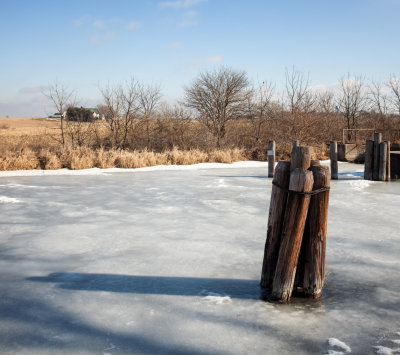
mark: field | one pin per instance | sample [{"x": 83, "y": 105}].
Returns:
[
  {"x": 17, "y": 127},
  {"x": 31, "y": 143},
  {"x": 168, "y": 260}
]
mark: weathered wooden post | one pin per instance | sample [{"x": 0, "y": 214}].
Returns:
[
  {"x": 280, "y": 186},
  {"x": 314, "y": 240},
  {"x": 292, "y": 233},
  {"x": 388, "y": 162},
  {"x": 334, "y": 160},
  {"x": 295, "y": 144},
  {"x": 369, "y": 160},
  {"x": 382, "y": 161},
  {"x": 301, "y": 158},
  {"x": 377, "y": 141},
  {"x": 271, "y": 158}
]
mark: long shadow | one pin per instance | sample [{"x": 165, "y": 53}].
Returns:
[
  {"x": 155, "y": 285},
  {"x": 43, "y": 328}
]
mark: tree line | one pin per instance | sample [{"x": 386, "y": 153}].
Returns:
[{"x": 222, "y": 109}]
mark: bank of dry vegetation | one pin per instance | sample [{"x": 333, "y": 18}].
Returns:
[{"x": 221, "y": 119}]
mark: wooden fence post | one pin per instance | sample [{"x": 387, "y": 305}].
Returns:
[
  {"x": 377, "y": 141},
  {"x": 388, "y": 162},
  {"x": 271, "y": 158},
  {"x": 314, "y": 240},
  {"x": 334, "y": 160},
  {"x": 301, "y": 158},
  {"x": 292, "y": 234},
  {"x": 382, "y": 161},
  {"x": 295, "y": 144},
  {"x": 369, "y": 160},
  {"x": 277, "y": 208}
]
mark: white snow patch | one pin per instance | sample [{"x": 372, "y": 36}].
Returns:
[
  {"x": 216, "y": 298},
  {"x": 383, "y": 350},
  {"x": 339, "y": 344},
  {"x": 5, "y": 199},
  {"x": 97, "y": 171},
  {"x": 360, "y": 185}
]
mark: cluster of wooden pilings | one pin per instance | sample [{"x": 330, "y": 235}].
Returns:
[
  {"x": 377, "y": 159},
  {"x": 294, "y": 256}
]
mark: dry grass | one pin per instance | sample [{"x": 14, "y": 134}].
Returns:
[
  {"x": 27, "y": 126},
  {"x": 85, "y": 158},
  {"x": 35, "y": 144}
]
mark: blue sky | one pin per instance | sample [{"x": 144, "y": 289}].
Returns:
[{"x": 86, "y": 44}]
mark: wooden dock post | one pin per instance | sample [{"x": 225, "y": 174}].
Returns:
[
  {"x": 271, "y": 158},
  {"x": 334, "y": 160},
  {"x": 301, "y": 158},
  {"x": 275, "y": 218},
  {"x": 388, "y": 162},
  {"x": 314, "y": 240},
  {"x": 382, "y": 161},
  {"x": 377, "y": 141},
  {"x": 292, "y": 233},
  {"x": 295, "y": 144},
  {"x": 369, "y": 160}
]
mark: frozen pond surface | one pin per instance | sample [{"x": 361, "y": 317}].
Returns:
[{"x": 162, "y": 261}]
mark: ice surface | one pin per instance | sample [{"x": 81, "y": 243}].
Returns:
[{"x": 167, "y": 260}]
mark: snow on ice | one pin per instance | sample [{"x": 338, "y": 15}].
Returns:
[{"x": 167, "y": 260}]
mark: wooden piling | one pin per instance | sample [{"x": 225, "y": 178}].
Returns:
[
  {"x": 334, "y": 160},
  {"x": 271, "y": 158},
  {"x": 388, "y": 162},
  {"x": 382, "y": 161},
  {"x": 314, "y": 239},
  {"x": 295, "y": 144},
  {"x": 277, "y": 208},
  {"x": 292, "y": 233},
  {"x": 369, "y": 160},
  {"x": 301, "y": 158},
  {"x": 377, "y": 141}
]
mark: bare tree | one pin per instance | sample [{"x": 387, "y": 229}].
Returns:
[
  {"x": 121, "y": 106},
  {"x": 218, "y": 97},
  {"x": 379, "y": 103},
  {"x": 62, "y": 98},
  {"x": 394, "y": 86},
  {"x": 300, "y": 102},
  {"x": 260, "y": 108},
  {"x": 149, "y": 99},
  {"x": 175, "y": 124},
  {"x": 352, "y": 100},
  {"x": 377, "y": 98},
  {"x": 329, "y": 122}
]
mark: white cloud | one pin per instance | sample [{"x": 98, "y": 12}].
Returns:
[
  {"x": 99, "y": 24},
  {"x": 32, "y": 90},
  {"x": 80, "y": 21},
  {"x": 189, "y": 19},
  {"x": 133, "y": 25},
  {"x": 175, "y": 45},
  {"x": 100, "y": 39},
  {"x": 180, "y": 3},
  {"x": 214, "y": 59}
]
